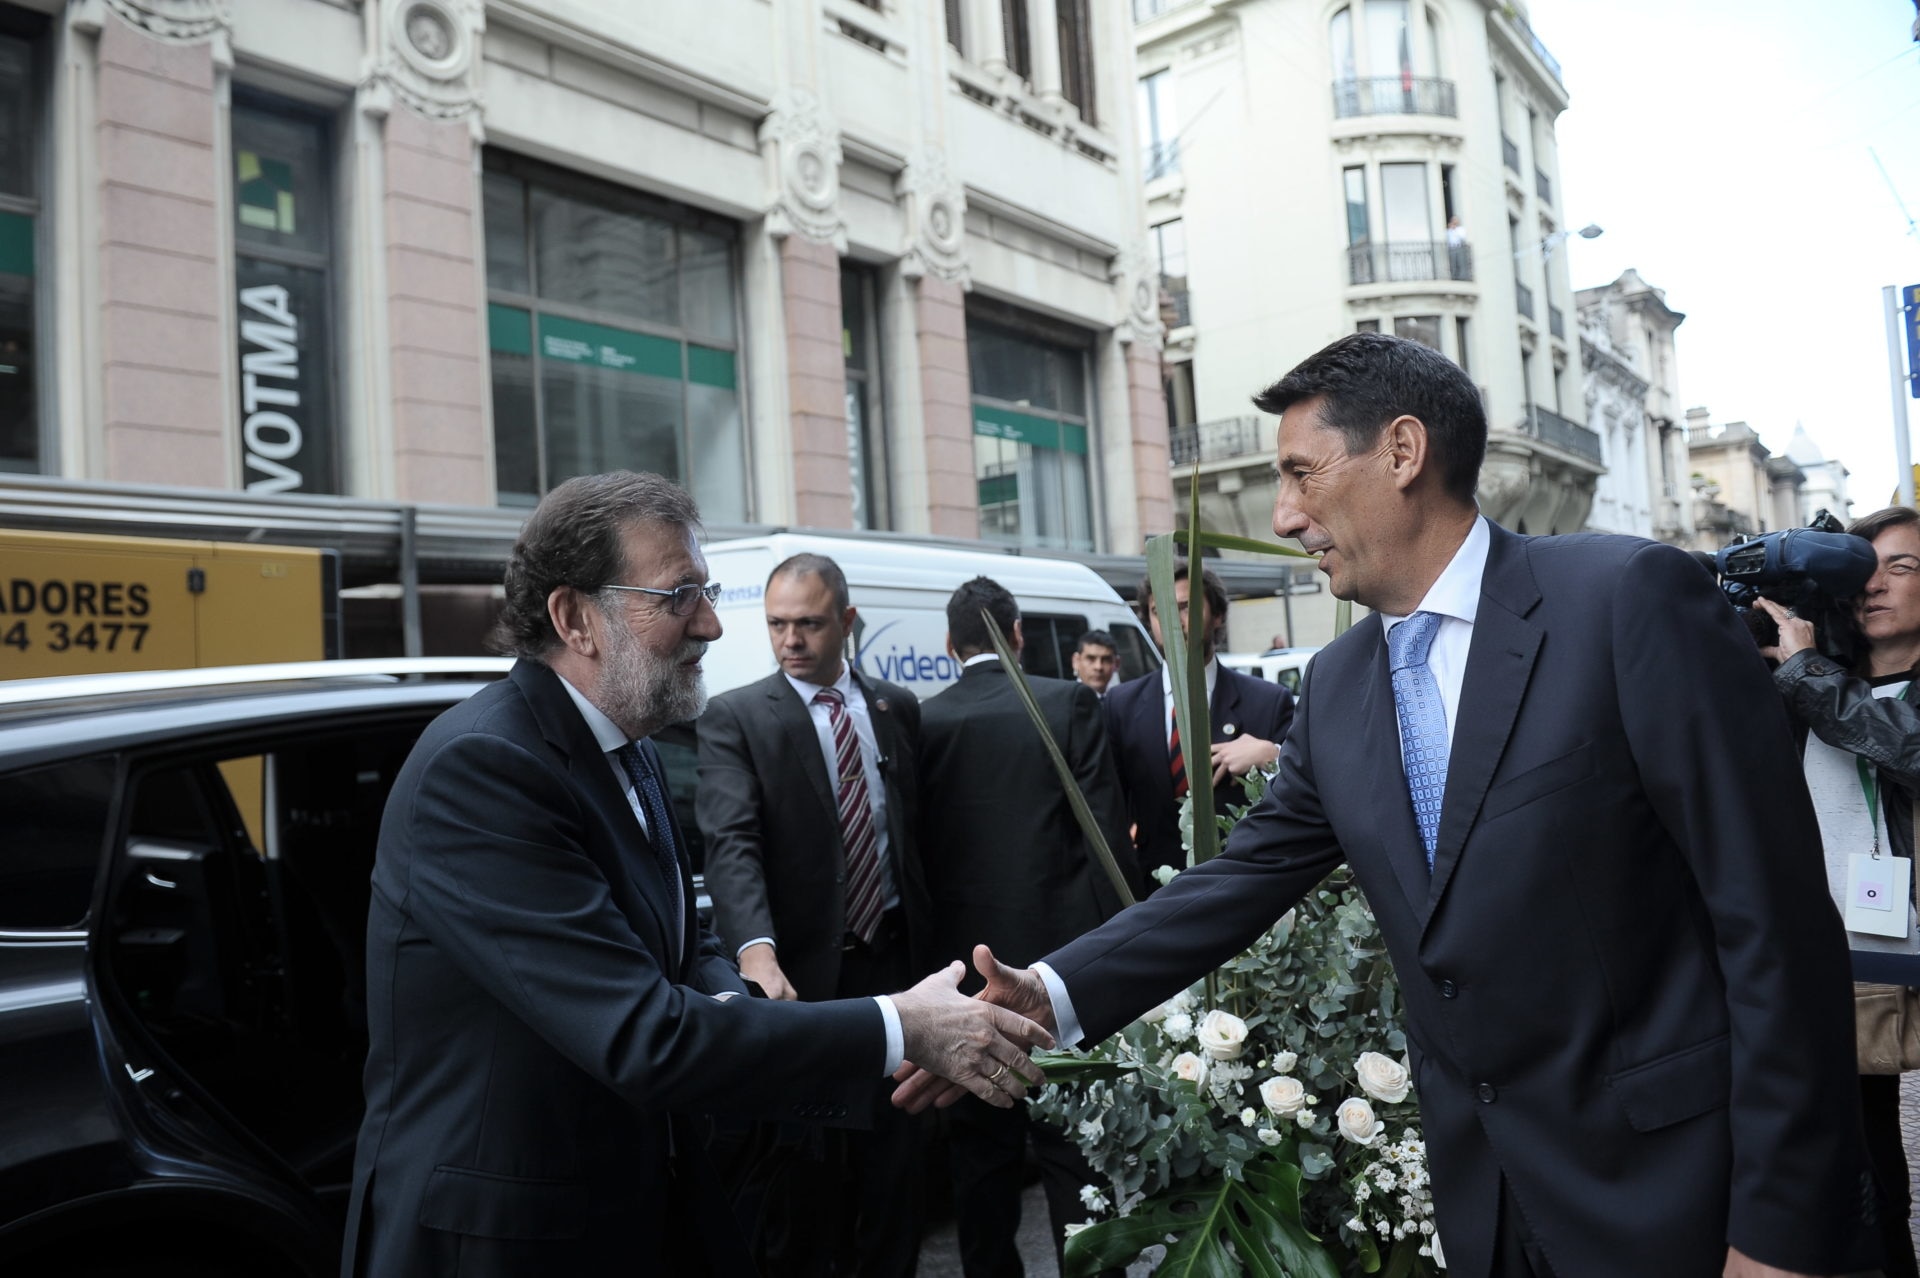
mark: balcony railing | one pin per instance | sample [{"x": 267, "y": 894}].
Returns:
[
  {"x": 1393, "y": 95},
  {"x": 1176, "y": 302},
  {"x": 1219, "y": 440},
  {"x": 1510, "y": 152},
  {"x": 1161, "y": 159},
  {"x": 1556, "y": 322},
  {"x": 1553, "y": 64},
  {"x": 1396, "y": 261},
  {"x": 1543, "y": 186},
  {"x": 1523, "y": 298},
  {"x": 1550, "y": 427}
]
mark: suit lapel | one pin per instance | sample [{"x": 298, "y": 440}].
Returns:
[
  {"x": 893, "y": 755},
  {"x": 1225, "y": 710},
  {"x": 796, "y": 722},
  {"x": 1499, "y": 666},
  {"x": 1398, "y": 831}
]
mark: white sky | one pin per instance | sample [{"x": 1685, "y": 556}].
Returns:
[{"x": 1723, "y": 146}]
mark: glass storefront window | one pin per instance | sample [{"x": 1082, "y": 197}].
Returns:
[
  {"x": 1030, "y": 438},
  {"x": 611, "y": 323}
]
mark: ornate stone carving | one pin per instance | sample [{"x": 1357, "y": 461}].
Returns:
[
  {"x": 429, "y": 58},
  {"x": 178, "y": 21},
  {"x": 936, "y": 217},
  {"x": 802, "y": 146},
  {"x": 1136, "y": 278}
]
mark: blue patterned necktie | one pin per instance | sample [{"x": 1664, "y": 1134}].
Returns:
[
  {"x": 659, "y": 829},
  {"x": 1423, "y": 721}
]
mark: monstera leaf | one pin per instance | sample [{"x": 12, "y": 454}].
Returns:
[{"x": 1220, "y": 1229}]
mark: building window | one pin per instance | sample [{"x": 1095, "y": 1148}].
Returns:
[
  {"x": 957, "y": 25},
  {"x": 611, "y": 323},
  {"x": 1340, "y": 32},
  {"x": 1076, "y": 55},
  {"x": 1463, "y": 344},
  {"x": 21, "y": 446},
  {"x": 1389, "y": 42},
  {"x": 1013, "y": 18},
  {"x": 283, "y": 269},
  {"x": 1030, "y": 437},
  {"x": 1403, "y": 202},
  {"x": 1159, "y": 127},
  {"x": 1424, "y": 329},
  {"x": 1367, "y": 326},
  {"x": 1435, "y": 66},
  {"x": 1358, "y": 221},
  {"x": 866, "y": 414},
  {"x": 1170, "y": 245},
  {"x": 1176, "y": 380}
]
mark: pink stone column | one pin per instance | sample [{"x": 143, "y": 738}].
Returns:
[
  {"x": 436, "y": 337},
  {"x": 816, "y": 383},
  {"x": 1147, "y": 421},
  {"x": 163, "y": 402},
  {"x": 940, "y": 325}
]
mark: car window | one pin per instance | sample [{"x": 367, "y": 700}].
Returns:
[
  {"x": 1049, "y": 640},
  {"x": 1136, "y": 653},
  {"x": 1288, "y": 679},
  {"x": 56, "y": 832}
]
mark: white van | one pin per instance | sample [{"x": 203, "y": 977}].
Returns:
[
  {"x": 901, "y": 592},
  {"x": 1284, "y": 666}
]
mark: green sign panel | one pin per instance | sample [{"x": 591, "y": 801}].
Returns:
[
  {"x": 709, "y": 367},
  {"x": 16, "y": 244},
  {"x": 578, "y": 342},
  {"x": 509, "y": 329},
  {"x": 1025, "y": 428}
]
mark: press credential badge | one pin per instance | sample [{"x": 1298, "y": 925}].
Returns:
[{"x": 1877, "y": 893}]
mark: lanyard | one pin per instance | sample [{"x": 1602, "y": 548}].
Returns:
[{"x": 1869, "y": 786}]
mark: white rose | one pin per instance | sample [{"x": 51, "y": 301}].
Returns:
[
  {"x": 1382, "y": 1078},
  {"x": 1223, "y": 1034},
  {"x": 1284, "y": 1063},
  {"x": 1189, "y": 1068},
  {"x": 1283, "y": 1096},
  {"x": 1357, "y": 1122}
]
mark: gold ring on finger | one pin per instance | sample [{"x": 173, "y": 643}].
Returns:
[{"x": 998, "y": 1074}]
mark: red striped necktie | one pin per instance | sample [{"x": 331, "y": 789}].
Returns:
[
  {"x": 1177, "y": 762},
  {"x": 865, "y": 903}
]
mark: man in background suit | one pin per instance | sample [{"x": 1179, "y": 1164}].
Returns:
[
  {"x": 1006, "y": 859},
  {"x": 1248, "y": 719},
  {"x": 1096, "y": 659},
  {"x": 1559, "y": 771},
  {"x": 817, "y": 888},
  {"x": 545, "y": 1010}
]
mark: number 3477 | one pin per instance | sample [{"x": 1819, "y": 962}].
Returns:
[{"x": 94, "y": 636}]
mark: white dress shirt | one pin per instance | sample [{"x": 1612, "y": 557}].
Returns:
[
  {"x": 1455, "y": 595},
  {"x": 608, "y": 736},
  {"x": 1166, "y": 693}
]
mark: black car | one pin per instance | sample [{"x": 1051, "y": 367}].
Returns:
[{"x": 184, "y": 864}]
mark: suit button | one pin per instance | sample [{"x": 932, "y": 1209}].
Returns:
[
  {"x": 1486, "y": 1093},
  {"x": 1449, "y": 990}
]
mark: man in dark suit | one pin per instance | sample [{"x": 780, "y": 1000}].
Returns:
[
  {"x": 817, "y": 888},
  {"x": 1095, "y": 660},
  {"x": 544, "y": 1008},
  {"x": 1626, "y": 988},
  {"x": 1006, "y": 860},
  {"x": 1248, "y": 717}
]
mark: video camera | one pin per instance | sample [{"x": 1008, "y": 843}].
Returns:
[{"x": 1816, "y": 571}]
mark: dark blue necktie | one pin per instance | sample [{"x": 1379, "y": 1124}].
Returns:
[
  {"x": 1423, "y": 721},
  {"x": 653, "y": 802}
]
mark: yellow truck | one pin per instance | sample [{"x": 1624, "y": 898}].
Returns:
[{"x": 72, "y": 603}]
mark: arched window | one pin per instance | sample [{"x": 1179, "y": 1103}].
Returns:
[{"x": 1342, "y": 34}]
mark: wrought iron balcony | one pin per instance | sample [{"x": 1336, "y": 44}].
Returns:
[
  {"x": 1393, "y": 95},
  {"x": 1543, "y": 186},
  {"x": 1396, "y": 261},
  {"x": 1556, "y": 322},
  {"x": 1176, "y": 302},
  {"x": 1523, "y": 299},
  {"x": 1510, "y": 152},
  {"x": 1219, "y": 440},
  {"x": 1550, "y": 427}
]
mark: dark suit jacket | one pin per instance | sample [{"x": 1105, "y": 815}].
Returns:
[
  {"x": 532, "y": 1032},
  {"x": 776, "y": 863},
  {"x": 1626, "y": 987},
  {"x": 1136, "y": 728},
  {"x": 1006, "y": 862}
]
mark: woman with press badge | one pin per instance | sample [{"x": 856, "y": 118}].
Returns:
[{"x": 1862, "y": 761}]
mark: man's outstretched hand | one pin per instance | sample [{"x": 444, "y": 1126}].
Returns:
[
  {"x": 1017, "y": 989},
  {"x": 969, "y": 1045}
]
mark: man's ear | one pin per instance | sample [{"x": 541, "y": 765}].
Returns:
[
  {"x": 1405, "y": 443},
  {"x": 568, "y": 610},
  {"x": 1017, "y": 639},
  {"x": 950, "y": 651}
]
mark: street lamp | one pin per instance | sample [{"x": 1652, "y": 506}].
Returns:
[{"x": 1591, "y": 231}]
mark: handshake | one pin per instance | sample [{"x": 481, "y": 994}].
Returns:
[{"x": 982, "y": 1045}]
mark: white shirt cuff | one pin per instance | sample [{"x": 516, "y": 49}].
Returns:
[
  {"x": 1067, "y": 1031},
  {"x": 758, "y": 940},
  {"x": 896, "y": 1040}
]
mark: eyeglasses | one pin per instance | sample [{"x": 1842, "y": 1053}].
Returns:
[{"x": 682, "y": 599}]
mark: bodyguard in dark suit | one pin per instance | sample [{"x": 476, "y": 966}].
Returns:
[
  {"x": 1248, "y": 717},
  {"x": 545, "y": 1010},
  {"x": 1553, "y": 765},
  {"x": 1006, "y": 860},
  {"x": 817, "y": 888}
]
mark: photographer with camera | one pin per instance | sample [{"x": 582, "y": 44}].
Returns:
[{"x": 1862, "y": 764}]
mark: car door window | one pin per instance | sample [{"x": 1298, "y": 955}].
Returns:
[{"x": 56, "y": 832}]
